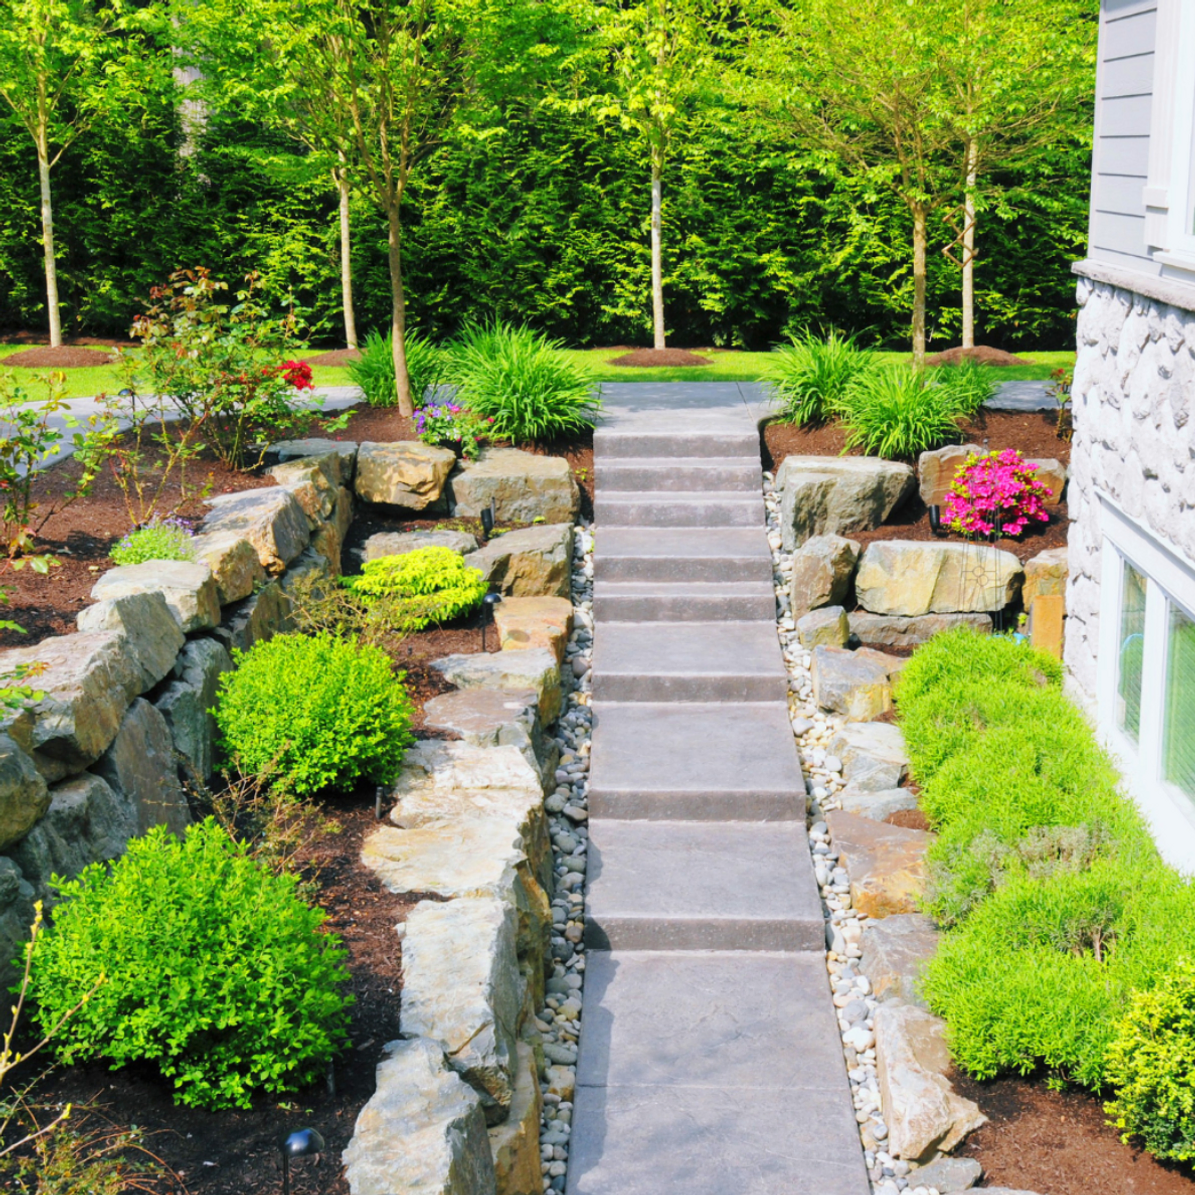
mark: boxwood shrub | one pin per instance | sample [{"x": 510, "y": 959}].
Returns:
[
  {"x": 199, "y": 960},
  {"x": 428, "y": 585},
  {"x": 314, "y": 711}
]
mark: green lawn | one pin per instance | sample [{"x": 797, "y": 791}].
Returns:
[{"x": 726, "y": 367}]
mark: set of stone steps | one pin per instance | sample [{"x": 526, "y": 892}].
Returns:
[{"x": 710, "y": 1060}]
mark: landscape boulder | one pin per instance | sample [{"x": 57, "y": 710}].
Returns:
[
  {"x": 894, "y": 630},
  {"x": 835, "y": 495},
  {"x": 399, "y": 543},
  {"x": 16, "y": 916},
  {"x": 522, "y": 486},
  {"x": 895, "y": 951},
  {"x": 886, "y": 863},
  {"x": 255, "y": 619},
  {"x": 846, "y": 683},
  {"x": 936, "y": 470},
  {"x": 461, "y": 988},
  {"x": 234, "y": 563},
  {"x": 822, "y": 569},
  {"x": 408, "y": 474},
  {"x": 873, "y": 754},
  {"x": 496, "y": 718},
  {"x": 187, "y": 700},
  {"x": 532, "y": 622},
  {"x": 314, "y": 481},
  {"x": 514, "y": 1144},
  {"x": 909, "y": 578},
  {"x": 24, "y": 797},
  {"x": 1052, "y": 474},
  {"x": 188, "y": 588},
  {"x": 270, "y": 519},
  {"x": 921, "y": 1109},
  {"x": 151, "y": 635},
  {"x": 140, "y": 768},
  {"x": 878, "y": 805},
  {"x": 825, "y": 627},
  {"x": 345, "y": 452},
  {"x": 949, "y": 1175},
  {"x": 1045, "y": 574},
  {"x": 535, "y": 669},
  {"x": 530, "y": 562},
  {"x": 422, "y": 1132}
]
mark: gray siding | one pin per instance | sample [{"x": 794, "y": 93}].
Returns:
[{"x": 1124, "y": 87}]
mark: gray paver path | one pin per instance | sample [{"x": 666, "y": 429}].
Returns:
[{"x": 710, "y": 1062}]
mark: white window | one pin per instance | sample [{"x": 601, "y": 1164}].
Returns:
[{"x": 1147, "y": 676}]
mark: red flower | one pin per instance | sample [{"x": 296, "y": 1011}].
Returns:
[{"x": 297, "y": 374}]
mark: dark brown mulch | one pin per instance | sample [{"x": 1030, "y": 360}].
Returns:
[
  {"x": 39, "y": 338},
  {"x": 66, "y": 356},
  {"x": 647, "y": 357},
  {"x": 334, "y": 357},
  {"x": 235, "y": 1152},
  {"x": 981, "y": 354},
  {"x": 1059, "y": 1143}
]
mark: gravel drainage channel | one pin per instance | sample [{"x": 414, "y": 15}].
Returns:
[
  {"x": 852, "y": 994},
  {"x": 559, "y": 1021}
]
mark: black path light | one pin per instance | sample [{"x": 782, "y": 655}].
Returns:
[
  {"x": 935, "y": 518},
  {"x": 487, "y": 613},
  {"x": 488, "y": 517},
  {"x": 300, "y": 1144}
]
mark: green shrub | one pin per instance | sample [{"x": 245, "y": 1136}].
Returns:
[
  {"x": 314, "y": 712},
  {"x": 373, "y": 371},
  {"x": 810, "y": 376},
  {"x": 900, "y": 412},
  {"x": 211, "y": 968},
  {"x": 1151, "y": 1063},
  {"x": 520, "y": 380},
  {"x": 971, "y": 385},
  {"x": 169, "y": 540},
  {"x": 424, "y": 586}
]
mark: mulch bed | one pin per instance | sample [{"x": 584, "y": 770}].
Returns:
[
  {"x": 648, "y": 357},
  {"x": 1059, "y": 1143},
  {"x": 66, "y": 356},
  {"x": 39, "y": 338},
  {"x": 334, "y": 357},
  {"x": 981, "y": 354}
]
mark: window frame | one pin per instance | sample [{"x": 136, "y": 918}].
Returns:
[
  {"x": 1181, "y": 241},
  {"x": 1169, "y": 580}
]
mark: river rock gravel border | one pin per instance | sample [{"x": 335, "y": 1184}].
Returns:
[
  {"x": 851, "y": 990},
  {"x": 559, "y": 1021}
]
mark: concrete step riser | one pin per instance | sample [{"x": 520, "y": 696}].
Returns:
[
  {"x": 681, "y": 608},
  {"x": 624, "y": 687},
  {"x": 608, "y": 446},
  {"x": 744, "y": 477},
  {"x": 681, "y": 569},
  {"x": 722, "y": 806},
  {"x": 610, "y": 512},
  {"x": 648, "y": 933}
]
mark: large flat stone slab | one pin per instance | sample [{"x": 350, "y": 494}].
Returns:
[
  {"x": 535, "y": 668},
  {"x": 701, "y": 886},
  {"x": 682, "y": 554},
  {"x": 532, "y": 622},
  {"x": 522, "y": 486},
  {"x": 399, "y": 543},
  {"x": 688, "y": 661},
  {"x": 911, "y": 577},
  {"x": 695, "y": 761},
  {"x": 895, "y": 630},
  {"x": 676, "y": 508}
]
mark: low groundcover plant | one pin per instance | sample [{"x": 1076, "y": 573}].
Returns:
[{"x": 170, "y": 539}]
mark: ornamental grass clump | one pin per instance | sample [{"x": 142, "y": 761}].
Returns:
[
  {"x": 314, "y": 712},
  {"x": 995, "y": 494},
  {"x": 811, "y": 375},
  {"x": 170, "y": 539},
  {"x": 200, "y": 961},
  {"x": 373, "y": 371},
  {"x": 428, "y": 585}
]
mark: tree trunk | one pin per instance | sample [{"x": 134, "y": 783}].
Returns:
[
  {"x": 969, "y": 246},
  {"x": 47, "y": 228},
  {"x": 918, "y": 284},
  {"x": 346, "y": 259},
  {"x": 657, "y": 262},
  {"x": 398, "y": 308}
]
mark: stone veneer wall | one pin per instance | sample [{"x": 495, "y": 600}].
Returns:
[{"x": 1134, "y": 441}]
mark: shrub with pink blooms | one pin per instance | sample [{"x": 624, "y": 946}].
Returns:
[{"x": 995, "y": 493}]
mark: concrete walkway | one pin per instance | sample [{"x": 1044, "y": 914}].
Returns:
[{"x": 710, "y": 1062}]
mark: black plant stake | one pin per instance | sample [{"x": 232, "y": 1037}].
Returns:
[
  {"x": 487, "y": 613},
  {"x": 300, "y": 1144}
]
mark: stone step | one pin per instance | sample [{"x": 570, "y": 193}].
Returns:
[
  {"x": 688, "y": 661},
  {"x": 701, "y": 886},
  {"x": 610, "y": 444},
  {"x": 662, "y": 473},
  {"x": 678, "y": 508},
  {"x": 695, "y": 761},
  {"x": 694, "y": 1066},
  {"x": 699, "y": 601},
  {"x": 682, "y": 554}
]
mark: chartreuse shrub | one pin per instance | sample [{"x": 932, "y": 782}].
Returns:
[
  {"x": 197, "y": 959},
  {"x": 424, "y": 586},
  {"x": 314, "y": 712},
  {"x": 810, "y": 375}
]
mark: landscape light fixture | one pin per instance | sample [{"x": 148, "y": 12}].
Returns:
[
  {"x": 300, "y": 1144},
  {"x": 487, "y": 613},
  {"x": 377, "y": 803},
  {"x": 488, "y": 518},
  {"x": 935, "y": 518}
]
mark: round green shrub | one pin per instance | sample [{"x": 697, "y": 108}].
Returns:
[
  {"x": 170, "y": 540},
  {"x": 199, "y": 960},
  {"x": 314, "y": 712},
  {"x": 427, "y": 585},
  {"x": 1151, "y": 1063}
]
